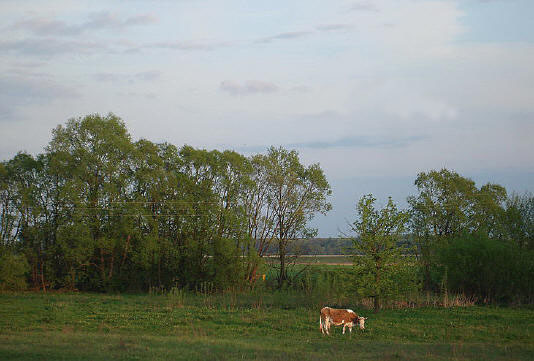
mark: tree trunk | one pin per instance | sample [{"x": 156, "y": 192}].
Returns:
[
  {"x": 283, "y": 272},
  {"x": 427, "y": 283},
  {"x": 377, "y": 282},
  {"x": 376, "y": 304},
  {"x": 42, "y": 278},
  {"x": 102, "y": 266}
]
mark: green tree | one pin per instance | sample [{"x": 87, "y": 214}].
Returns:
[
  {"x": 94, "y": 155},
  {"x": 449, "y": 205},
  {"x": 8, "y": 217},
  {"x": 296, "y": 193},
  {"x": 27, "y": 216},
  {"x": 381, "y": 269},
  {"x": 259, "y": 214},
  {"x": 519, "y": 220}
]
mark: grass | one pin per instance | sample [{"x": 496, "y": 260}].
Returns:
[{"x": 264, "y": 326}]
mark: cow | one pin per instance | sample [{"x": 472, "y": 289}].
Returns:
[{"x": 333, "y": 316}]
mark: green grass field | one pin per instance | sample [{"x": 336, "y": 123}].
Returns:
[{"x": 257, "y": 327}]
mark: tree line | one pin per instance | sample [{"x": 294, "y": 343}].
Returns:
[
  {"x": 98, "y": 211},
  {"x": 478, "y": 242}
]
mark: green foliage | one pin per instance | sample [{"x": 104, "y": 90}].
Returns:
[
  {"x": 100, "y": 212},
  {"x": 295, "y": 194},
  {"x": 449, "y": 205},
  {"x": 381, "y": 269},
  {"x": 488, "y": 269},
  {"x": 519, "y": 220},
  {"x": 97, "y": 211},
  {"x": 13, "y": 269}
]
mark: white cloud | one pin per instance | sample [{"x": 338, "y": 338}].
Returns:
[
  {"x": 284, "y": 36},
  {"x": 248, "y": 87},
  {"x": 149, "y": 75},
  {"x": 48, "y": 26}
]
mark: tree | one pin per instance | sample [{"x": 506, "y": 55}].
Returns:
[
  {"x": 449, "y": 205},
  {"x": 443, "y": 205},
  {"x": 519, "y": 220},
  {"x": 94, "y": 155},
  {"x": 380, "y": 267},
  {"x": 295, "y": 193},
  {"x": 26, "y": 217},
  {"x": 259, "y": 214}
]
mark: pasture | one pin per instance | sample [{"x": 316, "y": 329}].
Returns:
[{"x": 256, "y": 326}]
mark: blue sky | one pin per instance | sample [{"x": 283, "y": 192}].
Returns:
[{"x": 375, "y": 91}]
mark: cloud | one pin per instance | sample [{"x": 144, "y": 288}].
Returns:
[
  {"x": 301, "y": 89},
  {"x": 333, "y": 27},
  {"x": 137, "y": 20},
  {"x": 97, "y": 21},
  {"x": 148, "y": 75},
  {"x": 28, "y": 64},
  {"x": 384, "y": 142},
  {"x": 17, "y": 92},
  {"x": 27, "y": 72},
  {"x": 149, "y": 96},
  {"x": 106, "y": 20},
  {"x": 49, "y": 46},
  {"x": 247, "y": 88},
  {"x": 363, "y": 6},
  {"x": 45, "y": 47},
  {"x": 44, "y": 26},
  {"x": 361, "y": 142},
  {"x": 284, "y": 36},
  {"x": 130, "y": 78},
  {"x": 185, "y": 45}
]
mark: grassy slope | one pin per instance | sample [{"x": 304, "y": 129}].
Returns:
[{"x": 103, "y": 327}]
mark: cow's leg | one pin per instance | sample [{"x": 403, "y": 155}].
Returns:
[
  {"x": 327, "y": 325},
  {"x": 321, "y": 325},
  {"x": 344, "y": 325}
]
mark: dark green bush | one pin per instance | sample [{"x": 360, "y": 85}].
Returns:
[
  {"x": 488, "y": 269},
  {"x": 13, "y": 269}
]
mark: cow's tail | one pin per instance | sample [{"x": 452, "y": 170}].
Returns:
[{"x": 320, "y": 324}]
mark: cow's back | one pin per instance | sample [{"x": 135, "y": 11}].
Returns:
[{"x": 338, "y": 316}]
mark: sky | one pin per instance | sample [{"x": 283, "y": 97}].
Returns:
[{"x": 374, "y": 91}]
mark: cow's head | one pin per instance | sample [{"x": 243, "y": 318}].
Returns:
[{"x": 361, "y": 322}]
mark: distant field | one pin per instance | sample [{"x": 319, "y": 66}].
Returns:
[
  {"x": 340, "y": 260},
  {"x": 273, "y": 326}
]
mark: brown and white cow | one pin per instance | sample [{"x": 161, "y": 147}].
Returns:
[{"x": 333, "y": 316}]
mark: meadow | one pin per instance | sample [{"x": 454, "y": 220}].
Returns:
[{"x": 261, "y": 325}]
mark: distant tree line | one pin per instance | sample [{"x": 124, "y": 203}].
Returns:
[
  {"x": 97, "y": 211},
  {"x": 317, "y": 246}
]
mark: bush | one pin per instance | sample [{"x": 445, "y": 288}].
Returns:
[
  {"x": 13, "y": 269},
  {"x": 489, "y": 269}
]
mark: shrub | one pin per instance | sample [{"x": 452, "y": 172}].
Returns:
[
  {"x": 492, "y": 270},
  {"x": 13, "y": 269}
]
